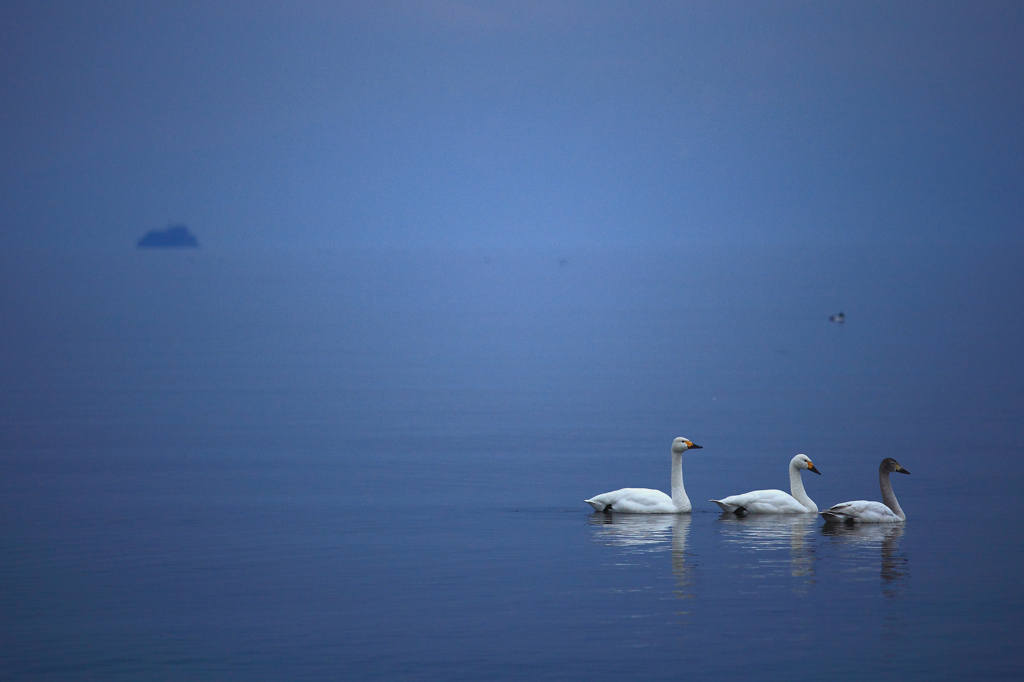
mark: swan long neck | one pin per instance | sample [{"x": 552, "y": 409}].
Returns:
[
  {"x": 888, "y": 496},
  {"x": 679, "y": 497},
  {"x": 796, "y": 487}
]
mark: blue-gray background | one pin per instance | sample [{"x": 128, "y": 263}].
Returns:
[
  {"x": 461, "y": 266},
  {"x": 506, "y": 123}
]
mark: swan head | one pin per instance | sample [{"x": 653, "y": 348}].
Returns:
[
  {"x": 804, "y": 462},
  {"x": 681, "y": 445},
  {"x": 889, "y": 464}
]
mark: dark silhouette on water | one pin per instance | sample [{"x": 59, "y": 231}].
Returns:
[{"x": 175, "y": 236}]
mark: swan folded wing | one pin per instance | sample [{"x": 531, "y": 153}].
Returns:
[
  {"x": 860, "y": 511},
  {"x": 634, "y": 501},
  {"x": 762, "y": 502}
]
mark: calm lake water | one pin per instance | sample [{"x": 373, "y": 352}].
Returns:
[{"x": 372, "y": 465}]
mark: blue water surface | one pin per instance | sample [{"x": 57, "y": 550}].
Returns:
[{"x": 371, "y": 465}]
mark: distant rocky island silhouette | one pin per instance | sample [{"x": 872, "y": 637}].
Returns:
[{"x": 175, "y": 236}]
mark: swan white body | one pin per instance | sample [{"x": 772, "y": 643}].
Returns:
[
  {"x": 865, "y": 511},
  {"x": 646, "y": 500},
  {"x": 776, "y": 501}
]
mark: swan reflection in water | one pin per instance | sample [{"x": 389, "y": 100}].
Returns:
[
  {"x": 777, "y": 532},
  {"x": 649, "y": 533},
  {"x": 894, "y": 564}
]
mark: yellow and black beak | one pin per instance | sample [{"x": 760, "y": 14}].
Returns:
[
  {"x": 901, "y": 470},
  {"x": 811, "y": 467},
  {"x": 694, "y": 446}
]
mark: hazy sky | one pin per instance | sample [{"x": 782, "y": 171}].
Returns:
[{"x": 487, "y": 123}]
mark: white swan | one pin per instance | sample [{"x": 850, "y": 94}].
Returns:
[
  {"x": 863, "y": 511},
  {"x": 645, "y": 500},
  {"x": 776, "y": 501}
]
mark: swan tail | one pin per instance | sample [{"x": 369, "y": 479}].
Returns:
[
  {"x": 726, "y": 507},
  {"x": 598, "y": 506},
  {"x": 832, "y": 517}
]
